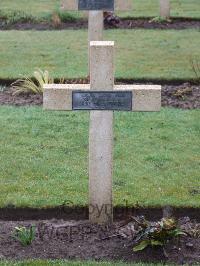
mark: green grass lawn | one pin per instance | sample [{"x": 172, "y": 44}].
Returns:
[
  {"x": 150, "y": 8},
  {"x": 139, "y": 53},
  {"x": 44, "y": 157},
  {"x": 74, "y": 263},
  {"x": 142, "y": 8}
]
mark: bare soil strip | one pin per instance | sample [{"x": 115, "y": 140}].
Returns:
[
  {"x": 81, "y": 240},
  {"x": 66, "y": 212},
  {"x": 144, "y": 23}
]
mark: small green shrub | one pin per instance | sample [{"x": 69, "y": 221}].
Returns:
[
  {"x": 24, "y": 235},
  {"x": 27, "y": 85},
  {"x": 156, "y": 233}
]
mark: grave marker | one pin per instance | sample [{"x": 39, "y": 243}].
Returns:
[
  {"x": 96, "y": 19},
  {"x": 103, "y": 5},
  {"x": 99, "y": 97},
  {"x": 96, "y": 5},
  {"x": 165, "y": 8}
]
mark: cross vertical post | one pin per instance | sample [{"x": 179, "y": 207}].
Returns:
[
  {"x": 95, "y": 26},
  {"x": 101, "y": 136},
  {"x": 95, "y": 29},
  {"x": 165, "y": 8}
]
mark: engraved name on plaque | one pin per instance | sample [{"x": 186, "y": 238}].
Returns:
[
  {"x": 102, "y": 100},
  {"x": 96, "y": 5}
]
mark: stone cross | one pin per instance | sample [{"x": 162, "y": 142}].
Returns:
[
  {"x": 165, "y": 8},
  {"x": 96, "y": 8},
  {"x": 101, "y": 97}
]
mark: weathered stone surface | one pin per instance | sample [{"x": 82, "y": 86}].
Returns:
[
  {"x": 59, "y": 96},
  {"x": 145, "y": 97},
  {"x": 101, "y": 65},
  {"x": 95, "y": 26},
  {"x": 165, "y": 8},
  {"x": 101, "y": 135},
  {"x": 95, "y": 29}
]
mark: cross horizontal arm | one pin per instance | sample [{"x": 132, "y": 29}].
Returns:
[
  {"x": 144, "y": 97},
  {"x": 105, "y": 5}
]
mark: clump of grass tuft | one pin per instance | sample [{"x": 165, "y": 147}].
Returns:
[
  {"x": 160, "y": 19},
  {"x": 27, "y": 85},
  {"x": 24, "y": 235},
  {"x": 196, "y": 69},
  {"x": 66, "y": 16},
  {"x": 182, "y": 93},
  {"x": 13, "y": 17}
]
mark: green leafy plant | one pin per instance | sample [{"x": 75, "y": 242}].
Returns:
[
  {"x": 2, "y": 88},
  {"x": 156, "y": 233},
  {"x": 27, "y": 85},
  {"x": 25, "y": 235}
]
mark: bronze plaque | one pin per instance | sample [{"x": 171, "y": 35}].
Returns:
[
  {"x": 105, "y": 5},
  {"x": 102, "y": 100}
]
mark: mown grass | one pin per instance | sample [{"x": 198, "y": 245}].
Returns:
[
  {"x": 73, "y": 263},
  {"x": 142, "y": 8},
  {"x": 139, "y": 54},
  {"x": 150, "y": 8},
  {"x": 44, "y": 158}
]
